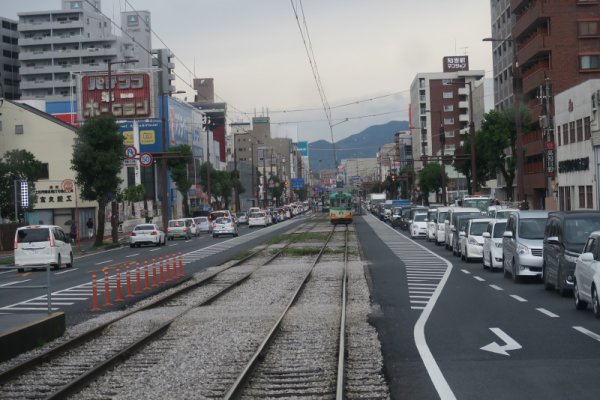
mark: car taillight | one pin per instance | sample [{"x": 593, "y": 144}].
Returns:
[
  {"x": 51, "y": 241},
  {"x": 154, "y": 233},
  {"x": 184, "y": 229},
  {"x": 132, "y": 234},
  {"x": 16, "y": 242}
]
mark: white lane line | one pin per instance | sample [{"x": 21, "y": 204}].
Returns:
[
  {"x": 518, "y": 298},
  {"x": 480, "y": 279},
  {"x": 546, "y": 312},
  {"x": 418, "y": 297},
  {"x": 28, "y": 308},
  {"x": 591, "y": 334},
  {"x": 14, "y": 283},
  {"x": 104, "y": 262},
  {"x": 54, "y": 303},
  {"x": 5, "y": 272},
  {"x": 66, "y": 271},
  {"x": 496, "y": 287},
  {"x": 132, "y": 255},
  {"x": 158, "y": 248},
  {"x": 465, "y": 271}
]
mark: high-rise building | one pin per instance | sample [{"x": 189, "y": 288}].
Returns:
[
  {"x": 9, "y": 59},
  {"x": 503, "y": 53},
  {"x": 557, "y": 48},
  {"x": 55, "y": 45}
]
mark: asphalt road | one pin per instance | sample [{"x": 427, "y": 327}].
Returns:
[
  {"x": 71, "y": 288},
  {"x": 484, "y": 336}
]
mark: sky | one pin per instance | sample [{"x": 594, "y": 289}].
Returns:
[{"x": 367, "y": 53}]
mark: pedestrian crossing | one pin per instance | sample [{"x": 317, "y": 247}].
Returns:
[{"x": 424, "y": 270}]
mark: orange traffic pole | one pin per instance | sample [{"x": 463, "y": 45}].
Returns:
[
  {"x": 128, "y": 277},
  {"x": 94, "y": 293},
  {"x": 119, "y": 295},
  {"x": 174, "y": 263},
  {"x": 154, "y": 284},
  {"x": 180, "y": 265},
  {"x": 106, "y": 289},
  {"x": 162, "y": 272},
  {"x": 168, "y": 269},
  {"x": 138, "y": 281},
  {"x": 146, "y": 277}
]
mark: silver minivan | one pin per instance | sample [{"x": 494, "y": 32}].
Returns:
[
  {"x": 38, "y": 246},
  {"x": 522, "y": 243}
]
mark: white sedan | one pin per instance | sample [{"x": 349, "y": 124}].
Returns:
[
  {"x": 147, "y": 234},
  {"x": 587, "y": 275},
  {"x": 258, "y": 218},
  {"x": 418, "y": 226}
]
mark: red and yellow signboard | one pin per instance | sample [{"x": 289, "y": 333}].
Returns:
[{"x": 129, "y": 95}]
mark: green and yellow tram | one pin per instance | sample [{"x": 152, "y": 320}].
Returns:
[{"x": 340, "y": 208}]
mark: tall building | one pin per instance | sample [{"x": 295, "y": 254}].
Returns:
[
  {"x": 503, "y": 53},
  {"x": 9, "y": 59},
  {"x": 54, "y": 45},
  {"x": 444, "y": 102},
  {"x": 557, "y": 48}
]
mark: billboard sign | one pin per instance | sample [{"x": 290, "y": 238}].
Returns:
[
  {"x": 150, "y": 131},
  {"x": 456, "y": 63},
  {"x": 302, "y": 148},
  {"x": 129, "y": 95}
]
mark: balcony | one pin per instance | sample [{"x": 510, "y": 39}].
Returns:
[
  {"x": 533, "y": 80},
  {"x": 532, "y": 49},
  {"x": 463, "y": 105},
  {"x": 463, "y": 118},
  {"x": 529, "y": 19},
  {"x": 463, "y": 91}
]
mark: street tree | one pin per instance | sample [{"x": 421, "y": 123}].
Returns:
[
  {"x": 97, "y": 161},
  {"x": 221, "y": 187},
  {"x": 134, "y": 194},
  {"x": 178, "y": 160},
  {"x": 17, "y": 165},
  {"x": 430, "y": 180},
  {"x": 463, "y": 162}
]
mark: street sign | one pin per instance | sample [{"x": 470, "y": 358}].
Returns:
[
  {"x": 130, "y": 152},
  {"x": 355, "y": 178},
  {"x": 297, "y": 183},
  {"x": 146, "y": 159}
]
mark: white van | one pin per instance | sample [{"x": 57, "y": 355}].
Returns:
[{"x": 37, "y": 246}]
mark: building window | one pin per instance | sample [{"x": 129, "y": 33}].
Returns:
[
  {"x": 590, "y": 197},
  {"x": 580, "y": 130},
  {"x": 587, "y": 128},
  {"x": 449, "y": 134},
  {"x": 589, "y": 62},
  {"x": 19, "y": 130},
  {"x": 448, "y": 121},
  {"x": 581, "y": 196},
  {"x": 565, "y": 130},
  {"x": 588, "y": 28},
  {"x": 44, "y": 173},
  {"x": 558, "y": 137},
  {"x": 448, "y": 95},
  {"x": 448, "y": 107},
  {"x": 572, "y": 132}
]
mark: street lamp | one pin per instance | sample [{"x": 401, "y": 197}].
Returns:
[
  {"x": 163, "y": 161},
  {"x": 516, "y": 76},
  {"x": 114, "y": 219}
]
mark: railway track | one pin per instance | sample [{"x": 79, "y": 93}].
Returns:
[{"x": 199, "y": 341}]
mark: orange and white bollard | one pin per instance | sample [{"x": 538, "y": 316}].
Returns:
[
  {"x": 154, "y": 283},
  {"x": 162, "y": 272},
  {"x": 106, "y": 289},
  {"x": 146, "y": 277},
  {"x": 174, "y": 263},
  {"x": 180, "y": 265},
  {"x": 128, "y": 277},
  {"x": 119, "y": 294},
  {"x": 168, "y": 269},
  {"x": 138, "y": 280},
  {"x": 94, "y": 293}
]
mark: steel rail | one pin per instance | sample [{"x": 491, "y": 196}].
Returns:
[{"x": 339, "y": 392}]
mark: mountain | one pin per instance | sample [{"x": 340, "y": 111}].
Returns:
[{"x": 364, "y": 144}]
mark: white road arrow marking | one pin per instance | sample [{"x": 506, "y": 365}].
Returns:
[{"x": 494, "y": 347}]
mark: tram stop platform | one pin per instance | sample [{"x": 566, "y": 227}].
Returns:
[{"x": 22, "y": 332}]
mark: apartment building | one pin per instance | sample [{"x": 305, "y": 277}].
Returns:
[
  {"x": 9, "y": 59},
  {"x": 503, "y": 53},
  {"x": 56, "y": 45}
]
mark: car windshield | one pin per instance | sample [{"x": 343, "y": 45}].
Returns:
[
  {"x": 176, "y": 223},
  {"x": 501, "y": 214},
  {"x": 532, "y": 228},
  {"x": 499, "y": 229},
  {"x": 223, "y": 221},
  {"x": 144, "y": 228},
  {"x": 33, "y": 235},
  {"x": 577, "y": 230},
  {"x": 420, "y": 217},
  {"x": 257, "y": 215},
  {"x": 482, "y": 204},
  {"x": 477, "y": 228},
  {"x": 442, "y": 216},
  {"x": 240, "y": 215},
  {"x": 201, "y": 220}
]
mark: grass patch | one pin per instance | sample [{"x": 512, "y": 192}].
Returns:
[
  {"x": 10, "y": 260},
  {"x": 313, "y": 251},
  {"x": 242, "y": 254},
  {"x": 299, "y": 237}
]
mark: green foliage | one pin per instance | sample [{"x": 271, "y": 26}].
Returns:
[
  {"x": 97, "y": 161},
  {"x": 430, "y": 179},
  {"x": 17, "y": 165},
  {"x": 181, "y": 157}
]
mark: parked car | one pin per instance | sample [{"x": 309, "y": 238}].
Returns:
[
  {"x": 203, "y": 224},
  {"x": 418, "y": 225},
  {"x": 242, "y": 218},
  {"x": 431, "y": 225},
  {"x": 258, "y": 218},
  {"x": 147, "y": 234},
  {"x": 450, "y": 222},
  {"x": 440, "y": 218},
  {"x": 499, "y": 212},
  {"x": 179, "y": 228},
  {"x": 522, "y": 243},
  {"x": 564, "y": 238},
  {"x": 461, "y": 221},
  {"x": 471, "y": 239},
  {"x": 191, "y": 222},
  {"x": 492, "y": 244},
  {"x": 218, "y": 214},
  {"x": 38, "y": 246},
  {"x": 224, "y": 226},
  {"x": 587, "y": 275}
]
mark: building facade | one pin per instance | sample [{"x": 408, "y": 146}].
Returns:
[
  {"x": 9, "y": 59},
  {"x": 503, "y": 53}
]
